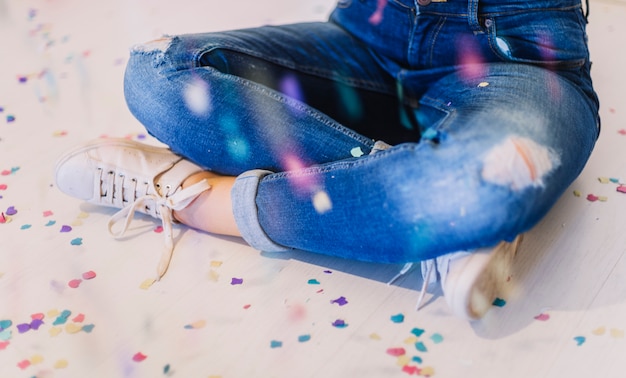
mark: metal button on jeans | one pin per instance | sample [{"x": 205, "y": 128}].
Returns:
[
  {"x": 423, "y": 2},
  {"x": 488, "y": 23}
]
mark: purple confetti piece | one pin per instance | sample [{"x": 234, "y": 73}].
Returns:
[
  {"x": 236, "y": 281},
  {"x": 66, "y": 228},
  {"x": 11, "y": 210},
  {"x": 36, "y": 323},
  {"x": 341, "y": 301},
  {"x": 24, "y": 327},
  {"x": 339, "y": 323},
  {"x": 10, "y": 118}
]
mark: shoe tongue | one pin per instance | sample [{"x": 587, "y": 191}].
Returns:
[{"x": 174, "y": 176}]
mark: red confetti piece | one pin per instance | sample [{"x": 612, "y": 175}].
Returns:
[
  {"x": 542, "y": 317},
  {"x": 411, "y": 370},
  {"x": 592, "y": 198},
  {"x": 138, "y": 357},
  {"x": 74, "y": 283},
  {"x": 89, "y": 275},
  {"x": 396, "y": 352}
]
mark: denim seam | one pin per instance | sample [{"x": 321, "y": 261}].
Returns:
[{"x": 501, "y": 13}]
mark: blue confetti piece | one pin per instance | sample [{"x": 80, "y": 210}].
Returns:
[
  {"x": 417, "y": 332},
  {"x": 436, "y": 338},
  {"x": 4, "y": 324},
  {"x": 313, "y": 281},
  {"x": 499, "y": 302},
  {"x": 417, "y": 359},
  {"x": 77, "y": 241},
  {"x": 50, "y": 223},
  {"x": 304, "y": 338},
  {"x": 25, "y": 227},
  {"x": 276, "y": 344},
  {"x": 399, "y": 318},
  {"x": 339, "y": 323},
  {"x": 88, "y": 328},
  {"x": 580, "y": 340},
  {"x": 420, "y": 346}
]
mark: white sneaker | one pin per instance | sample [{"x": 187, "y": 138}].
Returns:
[
  {"x": 470, "y": 281},
  {"x": 133, "y": 177}
]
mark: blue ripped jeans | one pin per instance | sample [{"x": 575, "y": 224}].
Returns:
[{"x": 487, "y": 107}]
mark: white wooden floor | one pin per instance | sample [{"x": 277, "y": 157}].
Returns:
[{"x": 292, "y": 315}]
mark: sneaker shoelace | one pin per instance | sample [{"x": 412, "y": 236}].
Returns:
[
  {"x": 145, "y": 197},
  {"x": 439, "y": 265}
]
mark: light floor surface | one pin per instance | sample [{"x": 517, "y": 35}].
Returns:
[{"x": 227, "y": 310}]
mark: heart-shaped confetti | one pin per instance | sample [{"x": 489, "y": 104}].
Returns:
[
  {"x": 11, "y": 210},
  {"x": 66, "y": 228}
]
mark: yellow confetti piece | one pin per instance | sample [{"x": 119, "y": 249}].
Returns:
[
  {"x": 577, "y": 193},
  {"x": 213, "y": 276},
  {"x": 403, "y": 360},
  {"x": 196, "y": 325},
  {"x": 36, "y": 359},
  {"x": 604, "y": 180},
  {"x": 427, "y": 371},
  {"x": 375, "y": 336},
  {"x": 411, "y": 340},
  {"x": 483, "y": 84},
  {"x": 54, "y": 331},
  {"x": 77, "y": 223},
  {"x": 145, "y": 285},
  {"x": 599, "y": 331},
  {"x": 617, "y": 333},
  {"x": 60, "y": 364},
  {"x": 216, "y": 264},
  {"x": 603, "y": 198},
  {"x": 82, "y": 215},
  {"x": 53, "y": 313},
  {"x": 72, "y": 328}
]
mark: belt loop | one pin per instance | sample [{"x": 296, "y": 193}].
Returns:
[{"x": 472, "y": 16}]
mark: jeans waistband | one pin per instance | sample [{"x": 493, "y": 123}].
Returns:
[{"x": 465, "y": 8}]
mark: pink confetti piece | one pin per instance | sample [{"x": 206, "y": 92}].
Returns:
[
  {"x": 48, "y": 213},
  {"x": 3, "y": 186},
  {"x": 245, "y": 307},
  {"x": 38, "y": 315},
  {"x": 592, "y": 198},
  {"x": 4, "y": 344},
  {"x": 341, "y": 301},
  {"x": 396, "y": 352},
  {"x": 138, "y": 357},
  {"x": 66, "y": 228},
  {"x": 158, "y": 229},
  {"x": 621, "y": 188},
  {"x": 543, "y": 317},
  {"x": 411, "y": 370},
  {"x": 89, "y": 275},
  {"x": 622, "y": 131},
  {"x": 79, "y": 318},
  {"x": 236, "y": 281},
  {"x": 74, "y": 283},
  {"x": 23, "y": 364}
]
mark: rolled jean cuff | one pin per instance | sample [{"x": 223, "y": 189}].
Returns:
[{"x": 246, "y": 213}]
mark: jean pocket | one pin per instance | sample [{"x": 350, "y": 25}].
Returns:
[{"x": 550, "y": 38}]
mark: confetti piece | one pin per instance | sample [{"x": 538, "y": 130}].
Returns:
[
  {"x": 75, "y": 283},
  {"x": 580, "y": 340},
  {"x": 499, "y": 302},
  {"x": 50, "y": 223},
  {"x": 66, "y": 228},
  {"x": 577, "y": 193},
  {"x": 78, "y": 318},
  {"x": 403, "y": 360},
  {"x": 23, "y": 364},
  {"x": 25, "y": 227},
  {"x": 39, "y": 316},
  {"x": 4, "y": 345},
  {"x": 4, "y": 324},
  {"x": 599, "y": 331},
  {"x": 245, "y": 307},
  {"x": 328, "y": 272},
  {"x": 592, "y": 198},
  {"x": 11, "y": 211},
  {"x": 62, "y": 318},
  {"x": 427, "y": 371},
  {"x": 276, "y": 344},
  {"x": 77, "y": 241},
  {"x": 356, "y": 152},
  {"x": 421, "y": 346},
  {"x": 483, "y": 84},
  {"x": 341, "y": 301},
  {"x": 145, "y": 285},
  {"x": 411, "y": 370},
  {"x": 158, "y": 229},
  {"x": 10, "y": 118},
  {"x": 417, "y": 359},
  {"x": 304, "y": 338},
  {"x": 88, "y": 328},
  {"x": 313, "y": 281},
  {"x": 436, "y": 338},
  {"x": 399, "y": 318},
  {"x": 213, "y": 275},
  {"x": 236, "y": 281},
  {"x": 216, "y": 264},
  {"x": 542, "y": 317},
  {"x": 375, "y": 336},
  {"x": 3, "y": 186},
  {"x": 61, "y": 364},
  {"x": 89, "y": 275},
  {"x": 617, "y": 333},
  {"x": 5, "y": 335},
  {"x": 396, "y": 352},
  {"x": 621, "y": 188},
  {"x": 73, "y": 328},
  {"x": 417, "y": 332},
  {"x": 138, "y": 357},
  {"x": 196, "y": 325},
  {"x": 339, "y": 323},
  {"x": 604, "y": 180},
  {"x": 322, "y": 202},
  {"x": 35, "y": 324},
  {"x": 24, "y": 327}
]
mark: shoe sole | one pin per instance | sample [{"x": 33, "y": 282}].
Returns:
[{"x": 480, "y": 279}]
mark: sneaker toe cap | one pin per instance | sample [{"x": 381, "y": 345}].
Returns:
[{"x": 73, "y": 179}]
